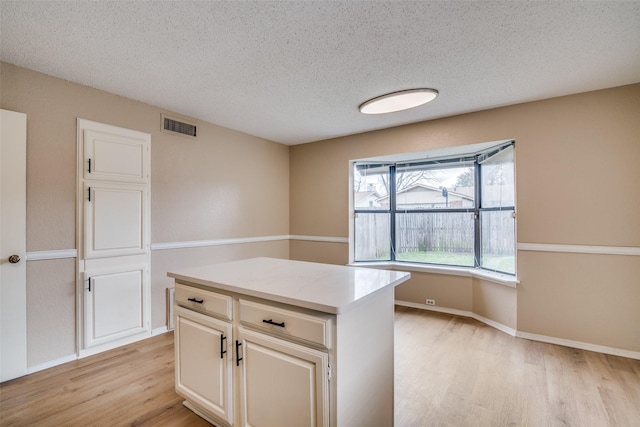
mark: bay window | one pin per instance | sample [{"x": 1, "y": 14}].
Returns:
[{"x": 456, "y": 210}]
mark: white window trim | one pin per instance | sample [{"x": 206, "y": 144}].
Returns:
[
  {"x": 499, "y": 278},
  {"x": 496, "y": 277}
]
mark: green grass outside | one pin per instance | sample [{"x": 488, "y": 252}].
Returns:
[{"x": 500, "y": 263}]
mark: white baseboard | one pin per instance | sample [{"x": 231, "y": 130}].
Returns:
[
  {"x": 74, "y": 357},
  {"x": 580, "y": 345},
  {"x": 463, "y": 313},
  {"x": 526, "y": 335},
  {"x": 113, "y": 344},
  {"x": 52, "y": 363},
  {"x": 160, "y": 330},
  {"x": 493, "y": 323},
  {"x": 434, "y": 308}
]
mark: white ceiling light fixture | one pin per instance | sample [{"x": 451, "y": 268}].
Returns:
[{"x": 398, "y": 101}]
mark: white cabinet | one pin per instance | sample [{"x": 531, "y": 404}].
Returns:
[
  {"x": 309, "y": 344},
  {"x": 204, "y": 362},
  {"x": 282, "y": 383},
  {"x": 113, "y": 236},
  {"x": 114, "y": 307},
  {"x": 115, "y": 217},
  {"x": 263, "y": 352},
  {"x": 110, "y": 155}
]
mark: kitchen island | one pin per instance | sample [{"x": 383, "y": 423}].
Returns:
[{"x": 273, "y": 342}]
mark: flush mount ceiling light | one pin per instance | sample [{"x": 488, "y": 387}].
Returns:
[{"x": 398, "y": 101}]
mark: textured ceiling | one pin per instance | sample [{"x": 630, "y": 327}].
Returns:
[{"x": 295, "y": 72}]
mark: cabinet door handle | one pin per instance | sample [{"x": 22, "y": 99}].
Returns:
[
  {"x": 271, "y": 322},
  {"x": 197, "y": 301},
  {"x": 222, "y": 350},
  {"x": 238, "y": 358}
]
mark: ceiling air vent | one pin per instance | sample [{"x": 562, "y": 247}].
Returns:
[{"x": 170, "y": 124}]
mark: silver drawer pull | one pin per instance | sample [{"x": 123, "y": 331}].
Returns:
[{"x": 271, "y": 322}]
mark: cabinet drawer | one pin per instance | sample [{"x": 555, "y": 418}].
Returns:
[
  {"x": 206, "y": 302},
  {"x": 315, "y": 329}
]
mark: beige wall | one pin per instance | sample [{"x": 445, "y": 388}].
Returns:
[
  {"x": 223, "y": 185},
  {"x": 325, "y": 252},
  {"x": 228, "y": 184},
  {"x": 494, "y": 301},
  {"x": 581, "y": 297},
  {"x": 447, "y": 290},
  {"x": 570, "y": 151}
]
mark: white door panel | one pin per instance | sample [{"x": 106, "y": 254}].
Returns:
[
  {"x": 112, "y": 157},
  {"x": 204, "y": 362},
  {"x": 114, "y": 306},
  {"x": 282, "y": 383},
  {"x": 114, "y": 217},
  {"x": 13, "y": 294}
]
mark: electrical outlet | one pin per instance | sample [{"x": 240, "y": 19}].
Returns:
[{"x": 431, "y": 302}]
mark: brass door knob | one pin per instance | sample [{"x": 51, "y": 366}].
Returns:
[{"x": 14, "y": 259}]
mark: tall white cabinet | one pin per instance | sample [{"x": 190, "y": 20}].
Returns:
[
  {"x": 269, "y": 342},
  {"x": 113, "y": 236}
]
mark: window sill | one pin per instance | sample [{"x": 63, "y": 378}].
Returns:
[{"x": 501, "y": 279}]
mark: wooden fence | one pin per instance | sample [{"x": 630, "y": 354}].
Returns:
[{"x": 429, "y": 232}]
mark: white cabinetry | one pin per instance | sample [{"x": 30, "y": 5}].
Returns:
[
  {"x": 204, "y": 363},
  {"x": 113, "y": 155},
  {"x": 309, "y": 344},
  {"x": 115, "y": 216},
  {"x": 282, "y": 383},
  {"x": 265, "y": 353},
  {"x": 113, "y": 236},
  {"x": 114, "y": 305}
]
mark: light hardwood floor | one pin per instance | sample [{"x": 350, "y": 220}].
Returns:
[
  {"x": 450, "y": 371},
  {"x": 455, "y": 371}
]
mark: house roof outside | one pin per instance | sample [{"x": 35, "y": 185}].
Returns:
[{"x": 431, "y": 196}]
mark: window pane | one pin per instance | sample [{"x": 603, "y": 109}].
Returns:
[
  {"x": 371, "y": 187},
  {"x": 431, "y": 188},
  {"x": 498, "y": 180},
  {"x": 497, "y": 233},
  {"x": 372, "y": 237},
  {"x": 438, "y": 238}
]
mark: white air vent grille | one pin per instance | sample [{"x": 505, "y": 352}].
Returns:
[{"x": 170, "y": 124}]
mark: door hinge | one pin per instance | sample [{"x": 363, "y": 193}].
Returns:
[{"x": 329, "y": 372}]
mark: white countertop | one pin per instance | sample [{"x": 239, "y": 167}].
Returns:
[{"x": 323, "y": 287}]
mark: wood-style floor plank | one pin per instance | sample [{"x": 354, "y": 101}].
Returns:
[
  {"x": 450, "y": 371},
  {"x": 454, "y": 371}
]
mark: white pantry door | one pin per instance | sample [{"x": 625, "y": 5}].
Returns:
[
  {"x": 113, "y": 236},
  {"x": 13, "y": 290}
]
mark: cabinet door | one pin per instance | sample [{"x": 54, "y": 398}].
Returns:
[
  {"x": 115, "y": 220},
  {"x": 282, "y": 383},
  {"x": 204, "y": 362},
  {"x": 114, "y": 306},
  {"x": 115, "y": 157}
]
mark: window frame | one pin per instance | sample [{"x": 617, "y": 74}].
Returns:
[{"x": 464, "y": 159}]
